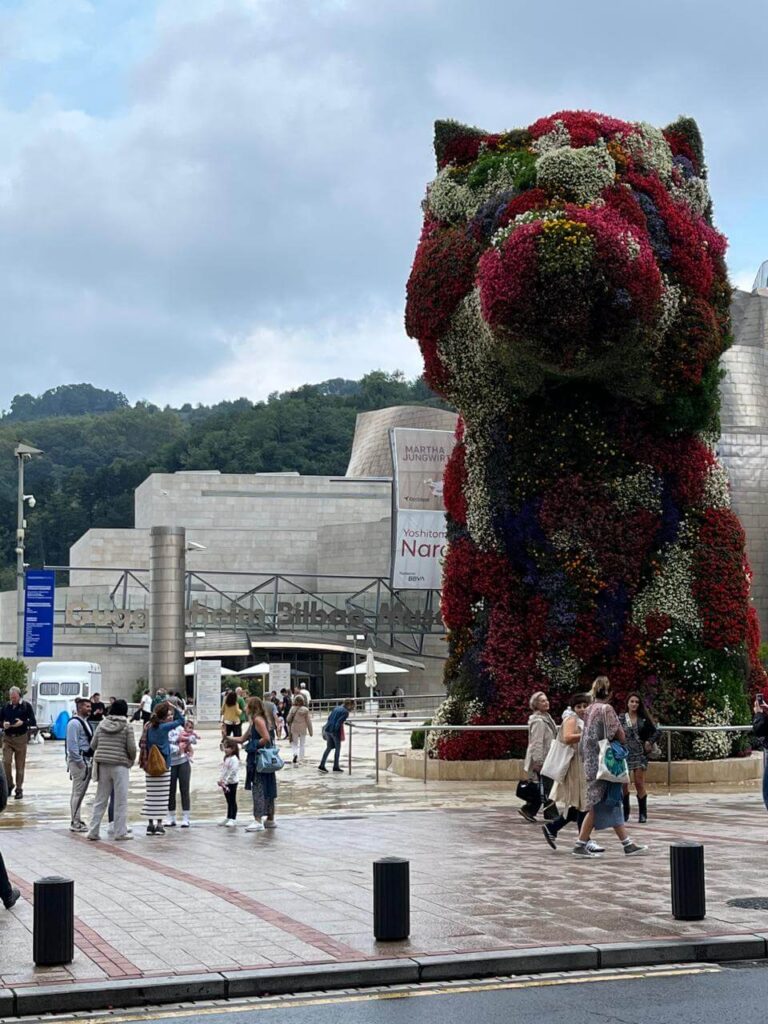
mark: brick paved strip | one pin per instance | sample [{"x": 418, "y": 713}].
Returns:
[
  {"x": 102, "y": 953},
  {"x": 311, "y": 936}
]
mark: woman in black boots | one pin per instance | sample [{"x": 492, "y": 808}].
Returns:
[{"x": 641, "y": 734}]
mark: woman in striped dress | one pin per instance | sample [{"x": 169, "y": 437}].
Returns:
[{"x": 165, "y": 718}]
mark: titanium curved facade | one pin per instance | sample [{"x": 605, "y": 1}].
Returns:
[{"x": 743, "y": 445}]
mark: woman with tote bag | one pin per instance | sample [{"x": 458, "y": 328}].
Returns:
[{"x": 604, "y": 798}]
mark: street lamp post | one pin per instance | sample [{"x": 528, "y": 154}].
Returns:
[
  {"x": 23, "y": 453},
  {"x": 354, "y": 637}
]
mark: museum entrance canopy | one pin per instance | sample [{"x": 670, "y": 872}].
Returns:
[{"x": 232, "y": 612}]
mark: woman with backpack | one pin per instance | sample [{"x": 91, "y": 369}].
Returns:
[{"x": 156, "y": 762}]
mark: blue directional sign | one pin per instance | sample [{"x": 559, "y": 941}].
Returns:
[{"x": 39, "y": 598}]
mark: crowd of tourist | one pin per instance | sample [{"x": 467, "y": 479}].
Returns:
[{"x": 585, "y": 765}]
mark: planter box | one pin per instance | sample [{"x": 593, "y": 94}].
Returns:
[{"x": 410, "y": 765}]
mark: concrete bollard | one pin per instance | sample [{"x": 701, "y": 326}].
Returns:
[
  {"x": 53, "y": 929},
  {"x": 689, "y": 897},
  {"x": 391, "y": 899}
]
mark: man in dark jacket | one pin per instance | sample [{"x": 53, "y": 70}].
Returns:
[
  {"x": 16, "y": 719},
  {"x": 332, "y": 734},
  {"x": 8, "y": 894},
  {"x": 760, "y": 728}
]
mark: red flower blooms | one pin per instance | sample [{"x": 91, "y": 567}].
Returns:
[
  {"x": 584, "y": 126},
  {"x": 454, "y": 479},
  {"x": 442, "y": 274},
  {"x": 721, "y": 583}
]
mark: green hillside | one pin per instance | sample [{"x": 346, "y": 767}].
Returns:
[{"x": 98, "y": 448}]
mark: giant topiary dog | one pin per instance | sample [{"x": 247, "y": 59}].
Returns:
[{"x": 570, "y": 297}]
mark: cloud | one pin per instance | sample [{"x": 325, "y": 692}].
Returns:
[
  {"x": 236, "y": 194},
  {"x": 272, "y": 359}
]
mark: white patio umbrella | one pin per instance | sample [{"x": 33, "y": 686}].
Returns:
[
  {"x": 370, "y": 670},
  {"x": 381, "y": 668},
  {"x": 189, "y": 669},
  {"x": 262, "y": 669}
]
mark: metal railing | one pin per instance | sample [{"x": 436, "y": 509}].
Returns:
[
  {"x": 376, "y": 726},
  {"x": 389, "y": 705}
]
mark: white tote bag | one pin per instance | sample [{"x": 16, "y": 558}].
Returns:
[{"x": 558, "y": 759}]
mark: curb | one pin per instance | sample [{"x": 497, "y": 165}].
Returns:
[{"x": 106, "y": 995}]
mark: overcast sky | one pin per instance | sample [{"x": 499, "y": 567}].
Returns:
[{"x": 203, "y": 199}]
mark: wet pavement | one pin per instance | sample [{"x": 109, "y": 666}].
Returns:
[{"x": 210, "y": 899}]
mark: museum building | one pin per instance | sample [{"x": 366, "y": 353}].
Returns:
[{"x": 288, "y": 568}]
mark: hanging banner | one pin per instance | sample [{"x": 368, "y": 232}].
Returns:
[
  {"x": 39, "y": 600},
  {"x": 419, "y": 458}
]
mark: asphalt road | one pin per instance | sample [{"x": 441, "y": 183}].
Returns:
[{"x": 705, "y": 994}]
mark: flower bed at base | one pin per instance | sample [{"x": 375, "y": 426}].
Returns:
[{"x": 570, "y": 297}]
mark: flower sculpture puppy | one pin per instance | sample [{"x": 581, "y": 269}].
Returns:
[{"x": 570, "y": 296}]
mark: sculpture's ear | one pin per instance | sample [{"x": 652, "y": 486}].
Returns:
[
  {"x": 684, "y": 134},
  {"x": 456, "y": 143}
]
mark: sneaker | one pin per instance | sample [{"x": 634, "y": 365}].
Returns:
[
  {"x": 160, "y": 830},
  {"x": 270, "y": 824},
  {"x": 124, "y": 838},
  {"x": 321, "y": 768},
  {"x": 582, "y": 851},
  {"x": 80, "y": 826},
  {"x": 594, "y": 848},
  {"x": 94, "y": 836},
  {"x": 530, "y": 818},
  {"x": 111, "y": 828},
  {"x": 632, "y": 849},
  {"x": 230, "y": 823},
  {"x": 151, "y": 828},
  {"x": 255, "y": 826},
  {"x": 223, "y": 822},
  {"x": 12, "y": 899},
  {"x": 549, "y": 836},
  {"x": 338, "y": 769},
  {"x": 170, "y": 823}
]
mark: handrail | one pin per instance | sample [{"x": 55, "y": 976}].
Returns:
[{"x": 376, "y": 727}]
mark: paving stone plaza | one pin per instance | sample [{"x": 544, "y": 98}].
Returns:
[{"x": 213, "y": 900}]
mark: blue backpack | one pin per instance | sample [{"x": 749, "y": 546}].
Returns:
[{"x": 59, "y": 727}]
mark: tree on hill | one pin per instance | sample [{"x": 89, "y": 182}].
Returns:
[
  {"x": 65, "y": 400},
  {"x": 93, "y": 463}
]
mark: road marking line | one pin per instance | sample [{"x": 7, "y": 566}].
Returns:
[{"x": 499, "y": 986}]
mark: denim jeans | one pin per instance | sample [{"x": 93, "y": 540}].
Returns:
[{"x": 332, "y": 743}]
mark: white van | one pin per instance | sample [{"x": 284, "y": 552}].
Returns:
[{"x": 56, "y": 684}]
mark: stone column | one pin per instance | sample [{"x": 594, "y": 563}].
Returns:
[{"x": 167, "y": 560}]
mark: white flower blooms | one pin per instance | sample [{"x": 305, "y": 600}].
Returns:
[
  {"x": 558, "y": 138},
  {"x": 670, "y": 592},
  {"x": 717, "y": 489},
  {"x": 649, "y": 149},
  {"x": 641, "y": 489},
  {"x": 578, "y": 174},
  {"x": 708, "y": 746},
  {"x": 671, "y": 297},
  {"x": 561, "y": 668},
  {"x": 529, "y": 217},
  {"x": 694, "y": 193},
  {"x": 447, "y": 198}
]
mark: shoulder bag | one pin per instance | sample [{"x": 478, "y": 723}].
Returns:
[
  {"x": 612, "y": 760},
  {"x": 268, "y": 760},
  {"x": 558, "y": 759}
]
